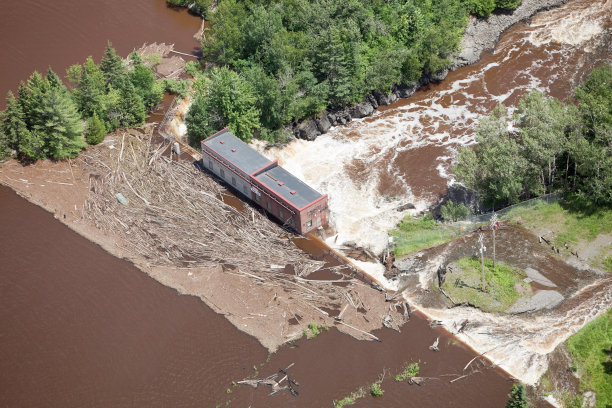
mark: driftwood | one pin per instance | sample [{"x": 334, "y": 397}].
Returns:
[
  {"x": 275, "y": 385},
  {"x": 176, "y": 217},
  {"x": 434, "y": 346},
  {"x": 360, "y": 331}
]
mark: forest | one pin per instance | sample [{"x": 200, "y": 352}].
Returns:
[
  {"x": 288, "y": 60},
  {"x": 546, "y": 145}
]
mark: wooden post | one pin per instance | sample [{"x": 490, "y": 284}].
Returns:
[
  {"x": 493, "y": 228},
  {"x": 482, "y": 271}
]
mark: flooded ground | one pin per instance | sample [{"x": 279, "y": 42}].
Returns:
[
  {"x": 82, "y": 328},
  {"x": 37, "y": 34}
]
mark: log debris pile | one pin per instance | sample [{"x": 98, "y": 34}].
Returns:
[{"x": 174, "y": 217}]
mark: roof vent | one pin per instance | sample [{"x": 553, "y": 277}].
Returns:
[
  {"x": 292, "y": 191},
  {"x": 280, "y": 183},
  {"x": 233, "y": 150},
  {"x": 222, "y": 141}
]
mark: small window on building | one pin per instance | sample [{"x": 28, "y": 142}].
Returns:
[
  {"x": 246, "y": 190},
  {"x": 308, "y": 223},
  {"x": 280, "y": 214},
  {"x": 257, "y": 198},
  {"x": 233, "y": 180},
  {"x": 269, "y": 206},
  {"x": 222, "y": 172},
  {"x": 210, "y": 164}
]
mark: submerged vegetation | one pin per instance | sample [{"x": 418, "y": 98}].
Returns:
[
  {"x": 288, "y": 60},
  {"x": 410, "y": 370}
]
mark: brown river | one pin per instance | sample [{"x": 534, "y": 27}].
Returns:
[{"x": 79, "y": 327}]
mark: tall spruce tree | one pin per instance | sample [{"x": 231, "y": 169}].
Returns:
[
  {"x": 112, "y": 66},
  {"x": 59, "y": 124},
  {"x": 13, "y": 126}
]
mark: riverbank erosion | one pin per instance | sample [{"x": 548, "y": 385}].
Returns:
[
  {"x": 480, "y": 35},
  {"x": 140, "y": 202},
  {"x": 554, "y": 299}
]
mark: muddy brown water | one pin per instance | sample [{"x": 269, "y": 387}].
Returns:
[
  {"x": 83, "y": 328},
  {"x": 36, "y": 34}
]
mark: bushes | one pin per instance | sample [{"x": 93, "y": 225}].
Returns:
[{"x": 452, "y": 211}]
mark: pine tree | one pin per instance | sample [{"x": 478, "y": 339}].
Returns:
[
  {"x": 112, "y": 66},
  {"x": 95, "y": 130},
  {"x": 53, "y": 80},
  {"x": 518, "y": 397},
  {"x": 88, "y": 94},
  {"x": 13, "y": 126},
  {"x": 36, "y": 88},
  {"x": 59, "y": 123},
  {"x": 131, "y": 106}
]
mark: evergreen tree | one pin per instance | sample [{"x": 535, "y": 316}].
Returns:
[
  {"x": 53, "y": 80},
  {"x": 35, "y": 91},
  {"x": 95, "y": 130},
  {"x": 13, "y": 126},
  {"x": 518, "y": 397},
  {"x": 131, "y": 109},
  {"x": 112, "y": 66},
  {"x": 59, "y": 123},
  {"x": 89, "y": 93}
]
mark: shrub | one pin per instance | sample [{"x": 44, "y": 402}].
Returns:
[
  {"x": 376, "y": 391},
  {"x": 95, "y": 130},
  {"x": 410, "y": 370},
  {"x": 452, "y": 211}
]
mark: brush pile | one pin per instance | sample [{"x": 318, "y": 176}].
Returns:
[{"x": 174, "y": 215}]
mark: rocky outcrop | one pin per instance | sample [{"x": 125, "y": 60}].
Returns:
[{"x": 480, "y": 35}]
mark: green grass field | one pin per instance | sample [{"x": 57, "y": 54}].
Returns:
[
  {"x": 573, "y": 225},
  {"x": 414, "y": 234},
  {"x": 501, "y": 292},
  {"x": 591, "y": 349}
]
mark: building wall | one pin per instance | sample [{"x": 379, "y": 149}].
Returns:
[
  {"x": 284, "y": 213},
  {"x": 313, "y": 216},
  {"x": 227, "y": 173}
]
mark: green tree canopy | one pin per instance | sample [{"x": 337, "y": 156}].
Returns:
[{"x": 228, "y": 100}]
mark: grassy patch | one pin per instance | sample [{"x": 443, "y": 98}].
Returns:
[
  {"x": 464, "y": 285},
  {"x": 572, "y": 225},
  {"x": 414, "y": 234},
  {"x": 410, "y": 370},
  {"x": 591, "y": 349},
  {"x": 607, "y": 263}
]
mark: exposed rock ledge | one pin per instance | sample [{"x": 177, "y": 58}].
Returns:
[{"x": 480, "y": 35}]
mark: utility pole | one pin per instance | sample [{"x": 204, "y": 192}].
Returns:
[
  {"x": 482, "y": 251},
  {"x": 494, "y": 228}
]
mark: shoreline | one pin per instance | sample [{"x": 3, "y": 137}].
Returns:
[{"x": 481, "y": 35}]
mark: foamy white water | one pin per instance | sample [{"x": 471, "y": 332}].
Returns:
[{"x": 367, "y": 171}]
